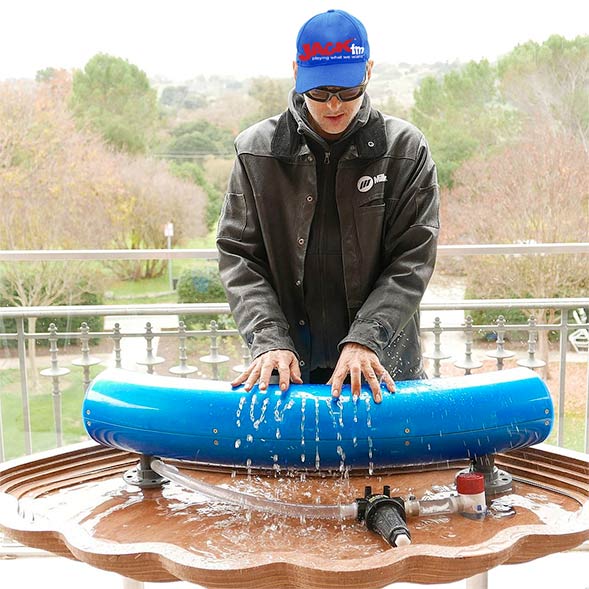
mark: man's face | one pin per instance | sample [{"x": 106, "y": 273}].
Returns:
[{"x": 330, "y": 119}]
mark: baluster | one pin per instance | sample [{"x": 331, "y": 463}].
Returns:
[
  {"x": 55, "y": 372},
  {"x": 245, "y": 357},
  {"x": 183, "y": 369},
  {"x": 468, "y": 363},
  {"x": 150, "y": 360},
  {"x": 2, "y": 455},
  {"x": 214, "y": 358},
  {"x": 500, "y": 353},
  {"x": 437, "y": 355},
  {"x": 531, "y": 361},
  {"x": 117, "y": 336},
  {"x": 86, "y": 360}
]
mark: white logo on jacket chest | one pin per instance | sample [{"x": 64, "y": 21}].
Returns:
[{"x": 365, "y": 183}]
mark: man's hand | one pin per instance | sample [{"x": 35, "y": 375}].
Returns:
[
  {"x": 261, "y": 369},
  {"x": 357, "y": 360}
]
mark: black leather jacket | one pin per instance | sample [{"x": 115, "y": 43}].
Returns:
[{"x": 387, "y": 200}]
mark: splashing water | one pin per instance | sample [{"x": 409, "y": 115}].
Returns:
[
  {"x": 278, "y": 415},
  {"x": 332, "y": 413},
  {"x": 340, "y": 406},
  {"x": 256, "y": 422},
  {"x": 303, "y": 426},
  {"x": 355, "y": 403},
  {"x": 239, "y": 410},
  {"x": 276, "y": 465},
  {"x": 368, "y": 415},
  {"x": 342, "y": 455}
]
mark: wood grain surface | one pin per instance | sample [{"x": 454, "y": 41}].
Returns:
[{"x": 74, "y": 502}]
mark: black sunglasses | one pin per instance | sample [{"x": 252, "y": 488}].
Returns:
[{"x": 343, "y": 95}]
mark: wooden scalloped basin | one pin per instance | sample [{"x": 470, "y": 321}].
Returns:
[{"x": 75, "y": 503}]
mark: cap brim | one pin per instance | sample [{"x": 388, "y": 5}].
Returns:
[{"x": 344, "y": 75}]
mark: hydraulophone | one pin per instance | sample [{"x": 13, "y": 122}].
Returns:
[{"x": 423, "y": 422}]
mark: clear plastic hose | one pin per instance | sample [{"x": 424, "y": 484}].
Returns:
[
  {"x": 430, "y": 507},
  {"x": 348, "y": 511},
  {"x": 472, "y": 506}
]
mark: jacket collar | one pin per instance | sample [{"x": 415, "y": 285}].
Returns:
[{"x": 367, "y": 135}]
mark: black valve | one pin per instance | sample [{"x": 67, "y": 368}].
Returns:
[{"x": 384, "y": 515}]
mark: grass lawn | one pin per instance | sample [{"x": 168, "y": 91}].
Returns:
[
  {"x": 574, "y": 432},
  {"x": 41, "y": 412},
  {"x": 154, "y": 290}
]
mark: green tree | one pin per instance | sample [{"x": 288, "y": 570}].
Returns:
[
  {"x": 550, "y": 82},
  {"x": 202, "y": 284},
  {"x": 114, "y": 97},
  {"x": 194, "y": 172},
  {"x": 462, "y": 114},
  {"x": 174, "y": 96},
  {"x": 272, "y": 97},
  {"x": 46, "y": 75},
  {"x": 201, "y": 138},
  {"x": 392, "y": 106},
  {"x": 534, "y": 190}
]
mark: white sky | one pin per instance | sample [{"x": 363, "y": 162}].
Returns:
[{"x": 181, "y": 39}]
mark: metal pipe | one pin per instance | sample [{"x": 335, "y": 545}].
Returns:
[
  {"x": 212, "y": 254},
  {"x": 562, "y": 376},
  {"x": 223, "y": 308},
  {"x": 587, "y": 411},
  {"x": 24, "y": 387}
]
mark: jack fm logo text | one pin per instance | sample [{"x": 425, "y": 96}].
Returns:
[{"x": 330, "y": 49}]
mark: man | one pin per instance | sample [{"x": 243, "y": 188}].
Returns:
[{"x": 327, "y": 238}]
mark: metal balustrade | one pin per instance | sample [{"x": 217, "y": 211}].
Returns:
[
  {"x": 466, "y": 357},
  {"x": 218, "y": 363}
]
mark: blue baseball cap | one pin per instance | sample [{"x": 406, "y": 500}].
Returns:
[{"x": 332, "y": 50}]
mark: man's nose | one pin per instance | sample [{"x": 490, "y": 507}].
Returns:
[{"x": 333, "y": 103}]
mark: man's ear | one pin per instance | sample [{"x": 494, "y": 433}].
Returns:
[
  {"x": 295, "y": 68},
  {"x": 369, "y": 69}
]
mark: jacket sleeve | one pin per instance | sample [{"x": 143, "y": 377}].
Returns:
[
  {"x": 244, "y": 269},
  {"x": 409, "y": 253}
]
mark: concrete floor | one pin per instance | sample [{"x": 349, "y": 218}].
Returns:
[{"x": 567, "y": 570}]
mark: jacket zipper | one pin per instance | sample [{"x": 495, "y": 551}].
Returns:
[{"x": 326, "y": 179}]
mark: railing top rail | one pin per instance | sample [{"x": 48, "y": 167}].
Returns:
[
  {"x": 111, "y": 254},
  {"x": 211, "y": 254},
  {"x": 212, "y": 308},
  {"x": 114, "y": 310}
]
